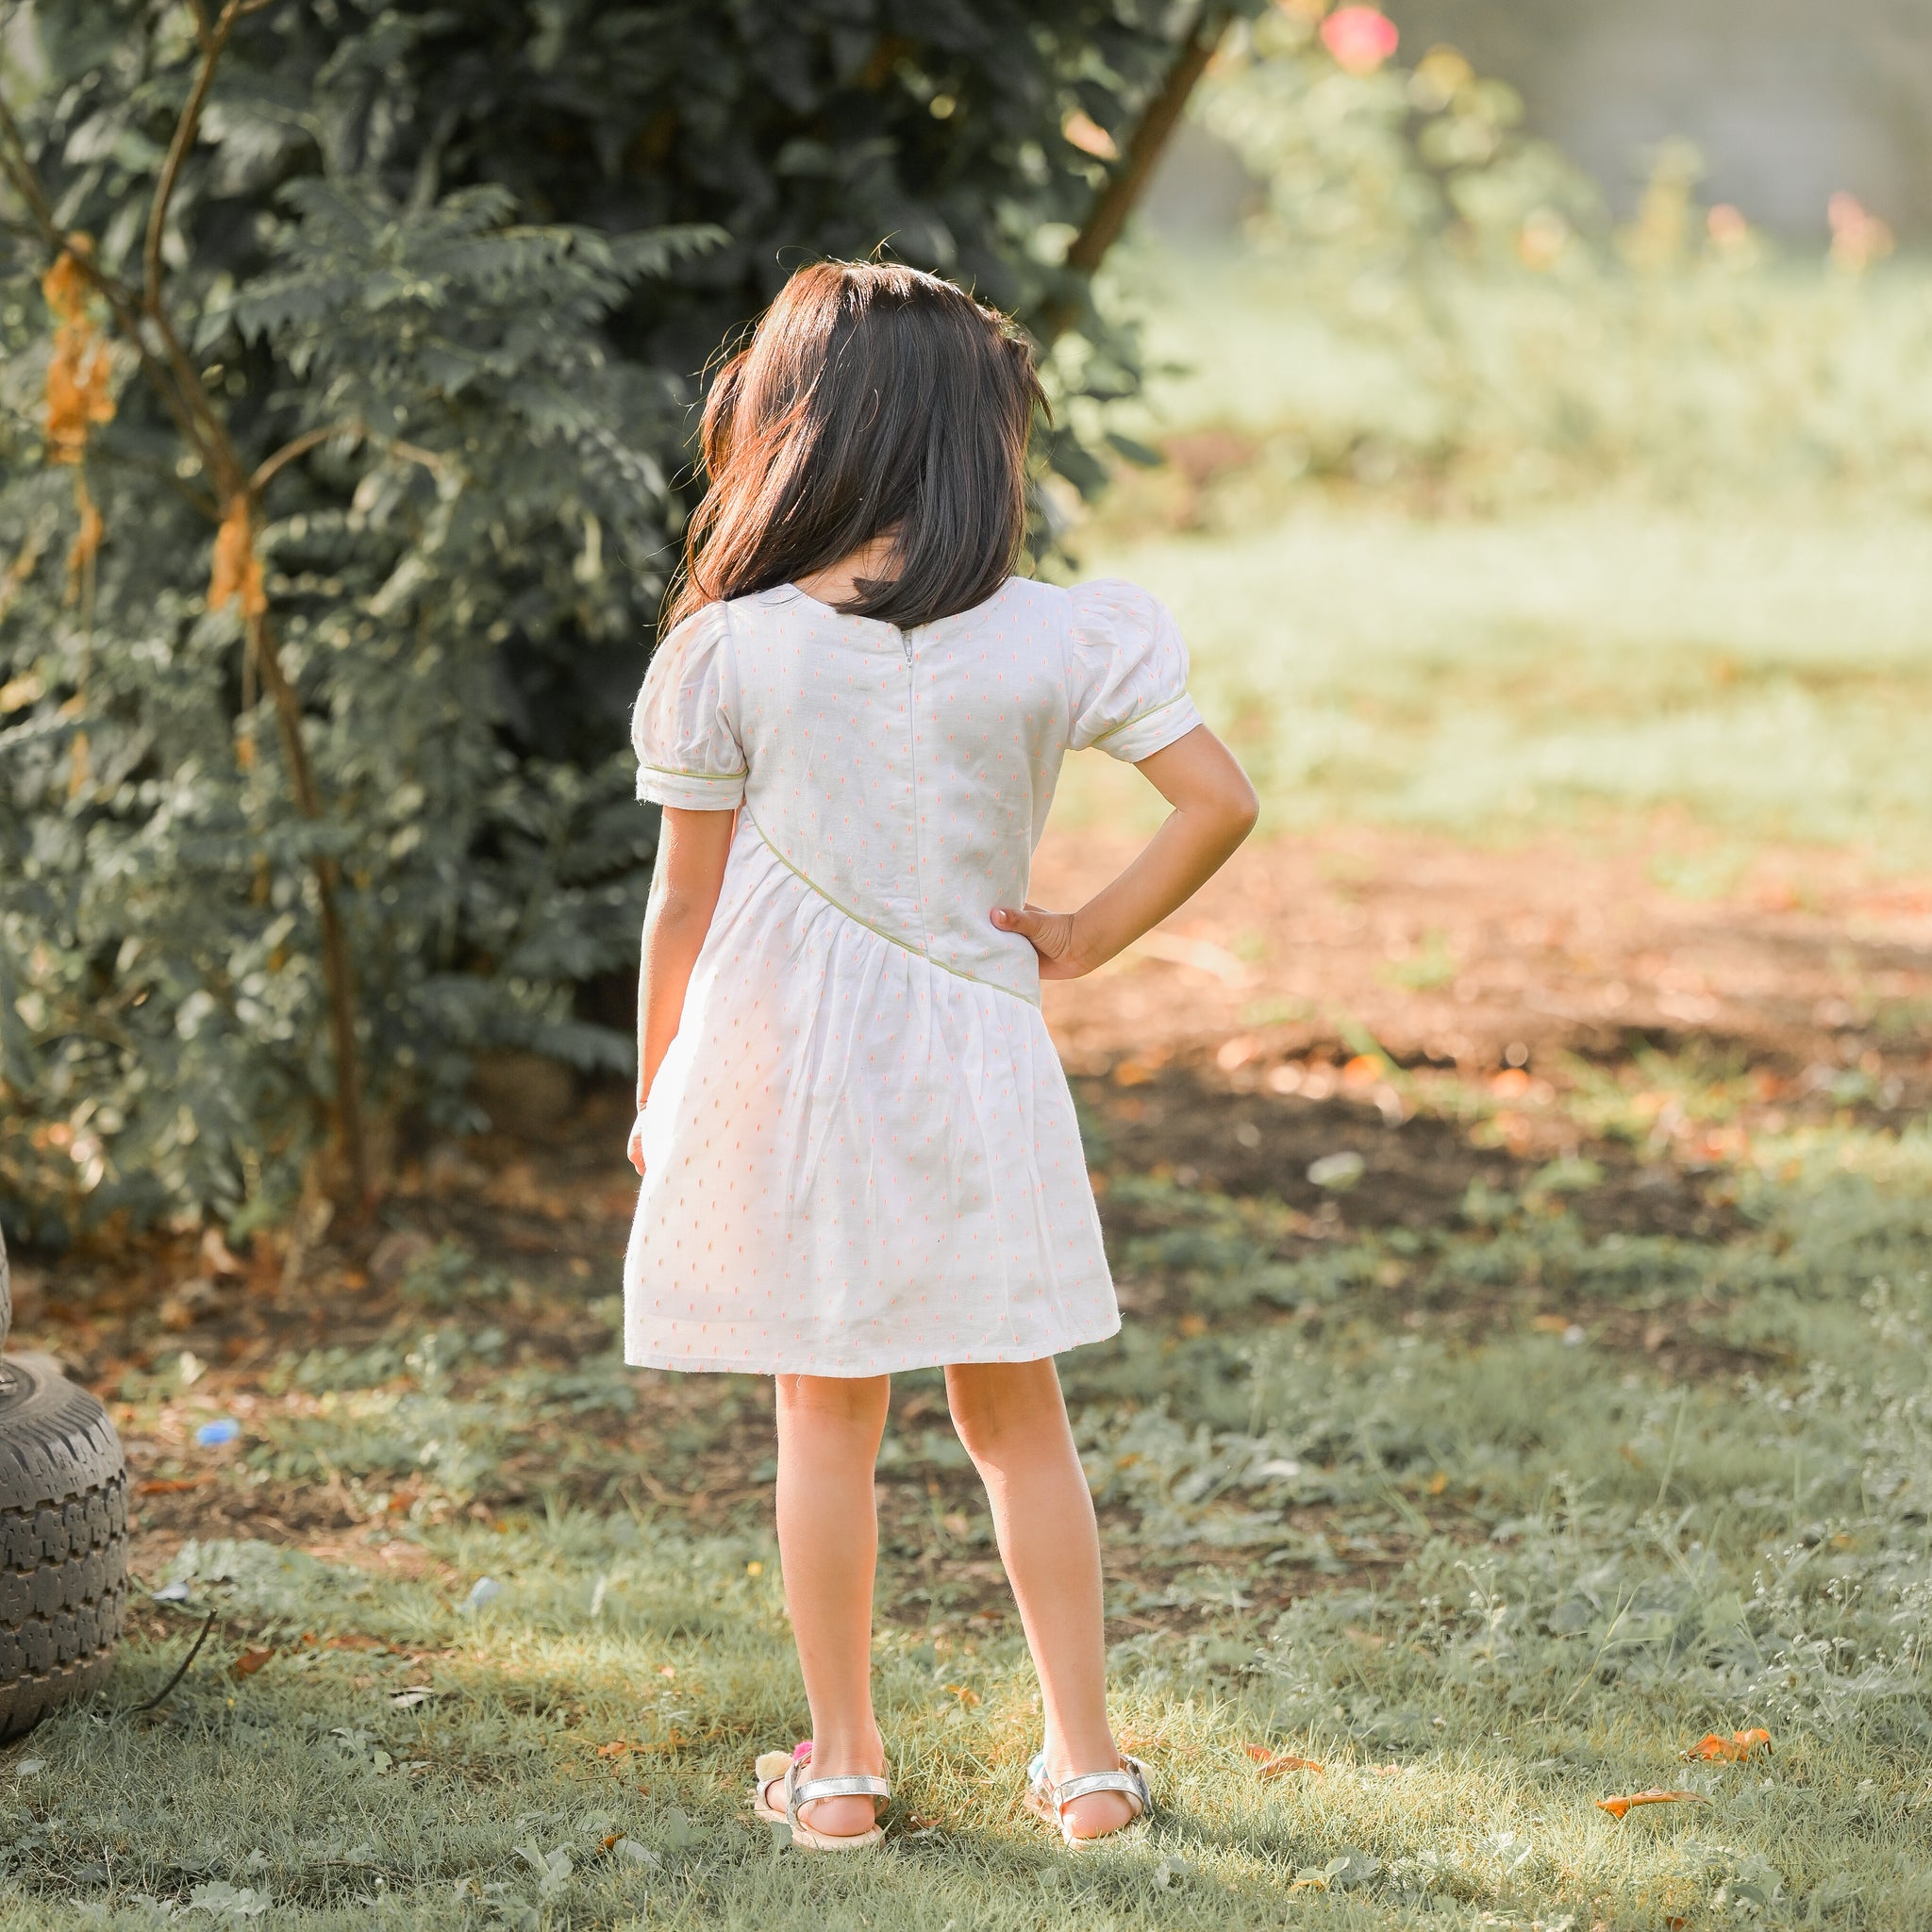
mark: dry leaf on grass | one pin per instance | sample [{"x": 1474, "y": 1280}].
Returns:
[
  {"x": 1617, "y": 1806},
  {"x": 1279, "y": 1764},
  {"x": 1731, "y": 1750},
  {"x": 171, "y": 1485},
  {"x": 619, "y": 1747},
  {"x": 249, "y": 1662}
]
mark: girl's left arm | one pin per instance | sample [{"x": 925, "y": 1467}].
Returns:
[{"x": 686, "y": 880}]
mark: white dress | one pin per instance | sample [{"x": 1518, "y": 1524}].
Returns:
[{"x": 860, "y": 1153}]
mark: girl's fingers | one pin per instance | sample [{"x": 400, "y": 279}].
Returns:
[{"x": 1050, "y": 933}]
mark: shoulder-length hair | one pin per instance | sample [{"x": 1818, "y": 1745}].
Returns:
[{"x": 872, "y": 401}]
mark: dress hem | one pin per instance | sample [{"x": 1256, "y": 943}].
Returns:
[{"x": 897, "y": 1366}]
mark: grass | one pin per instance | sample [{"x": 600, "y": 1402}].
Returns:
[
  {"x": 1577, "y": 668},
  {"x": 1678, "y": 628},
  {"x": 1401, "y": 1504}
]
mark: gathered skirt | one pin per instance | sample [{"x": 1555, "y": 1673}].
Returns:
[{"x": 855, "y": 1160}]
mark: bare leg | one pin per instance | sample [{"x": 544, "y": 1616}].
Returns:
[
  {"x": 828, "y": 1539},
  {"x": 1013, "y": 1422}
]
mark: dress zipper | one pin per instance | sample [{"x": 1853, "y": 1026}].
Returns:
[{"x": 913, "y": 767}]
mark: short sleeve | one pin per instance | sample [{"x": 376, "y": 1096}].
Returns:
[
  {"x": 1129, "y": 670},
  {"x": 684, "y": 727}
]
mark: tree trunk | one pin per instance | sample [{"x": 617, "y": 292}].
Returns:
[{"x": 1148, "y": 141}]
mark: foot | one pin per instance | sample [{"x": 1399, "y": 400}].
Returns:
[
  {"x": 837, "y": 1817},
  {"x": 1092, "y": 1814},
  {"x": 1099, "y": 1813}
]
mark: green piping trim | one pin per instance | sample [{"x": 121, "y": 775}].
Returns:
[
  {"x": 1139, "y": 718},
  {"x": 890, "y": 939}
]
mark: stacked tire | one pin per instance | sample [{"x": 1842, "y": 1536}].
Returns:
[{"x": 64, "y": 1535}]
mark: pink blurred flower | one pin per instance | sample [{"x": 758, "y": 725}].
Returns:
[
  {"x": 1360, "y": 38},
  {"x": 1859, "y": 238}
]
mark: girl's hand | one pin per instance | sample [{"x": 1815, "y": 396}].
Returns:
[
  {"x": 1214, "y": 808},
  {"x": 1051, "y": 935},
  {"x": 635, "y": 1150}
]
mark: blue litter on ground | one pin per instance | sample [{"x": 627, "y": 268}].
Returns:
[{"x": 211, "y": 1435}]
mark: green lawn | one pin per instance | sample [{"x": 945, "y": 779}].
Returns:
[
  {"x": 1416, "y": 1506},
  {"x": 1768, "y": 675}
]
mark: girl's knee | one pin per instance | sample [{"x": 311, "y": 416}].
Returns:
[
  {"x": 999, "y": 1404},
  {"x": 858, "y": 1400}
]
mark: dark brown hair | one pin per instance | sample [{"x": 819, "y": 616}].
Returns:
[{"x": 871, "y": 400}]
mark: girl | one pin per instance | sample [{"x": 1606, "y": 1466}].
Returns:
[{"x": 858, "y": 1147}]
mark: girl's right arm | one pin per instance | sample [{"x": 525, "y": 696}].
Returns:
[
  {"x": 686, "y": 880},
  {"x": 1214, "y": 809}
]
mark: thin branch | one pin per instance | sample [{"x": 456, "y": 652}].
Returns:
[
  {"x": 338, "y": 971},
  {"x": 20, "y": 171},
  {"x": 186, "y": 129},
  {"x": 272, "y": 466},
  {"x": 1149, "y": 141}
]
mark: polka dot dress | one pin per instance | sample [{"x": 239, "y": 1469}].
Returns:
[{"x": 860, "y": 1154}]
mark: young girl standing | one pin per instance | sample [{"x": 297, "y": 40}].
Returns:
[{"x": 858, "y": 1147}]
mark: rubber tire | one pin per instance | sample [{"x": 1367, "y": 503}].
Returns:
[
  {"x": 64, "y": 1541},
  {"x": 5, "y": 1293}
]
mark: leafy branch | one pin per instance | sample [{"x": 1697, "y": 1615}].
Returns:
[{"x": 179, "y": 386}]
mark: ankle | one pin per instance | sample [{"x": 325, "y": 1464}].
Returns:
[
  {"x": 1064, "y": 1761},
  {"x": 843, "y": 1753}
]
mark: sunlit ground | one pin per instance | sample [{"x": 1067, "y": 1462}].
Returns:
[{"x": 1577, "y": 1414}]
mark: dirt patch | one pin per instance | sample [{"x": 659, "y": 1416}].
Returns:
[
  {"x": 1187, "y": 1122},
  {"x": 1448, "y": 956}
]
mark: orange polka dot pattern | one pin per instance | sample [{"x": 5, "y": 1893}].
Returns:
[{"x": 860, "y": 1152}]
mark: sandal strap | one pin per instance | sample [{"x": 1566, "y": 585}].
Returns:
[
  {"x": 799, "y": 1795},
  {"x": 1130, "y": 1779}
]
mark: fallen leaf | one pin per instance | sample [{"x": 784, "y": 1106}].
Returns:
[
  {"x": 1618, "y": 1806},
  {"x": 250, "y": 1661},
  {"x": 1279, "y": 1764},
  {"x": 619, "y": 1747},
  {"x": 1731, "y": 1750},
  {"x": 1436, "y": 1482},
  {"x": 171, "y": 1485},
  {"x": 963, "y": 1695}
]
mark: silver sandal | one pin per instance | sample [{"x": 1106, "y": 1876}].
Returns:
[
  {"x": 1047, "y": 1800},
  {"x": 786, "y": 1770}
]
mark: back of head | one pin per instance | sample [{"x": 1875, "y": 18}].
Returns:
[{"x": 872, "y": 401}]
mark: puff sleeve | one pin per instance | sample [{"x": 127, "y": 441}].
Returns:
[
  {"x": 683, "y": 728},
  {"x": 1130, "y": 672}
]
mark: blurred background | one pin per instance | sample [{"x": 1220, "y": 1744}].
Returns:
[{"x": 1515, "y": 1167}]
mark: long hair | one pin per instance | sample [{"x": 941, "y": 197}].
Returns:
[{"x": 872, "y": 401}]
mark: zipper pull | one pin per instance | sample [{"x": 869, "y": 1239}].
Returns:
[{"x": 906, "y": 646}]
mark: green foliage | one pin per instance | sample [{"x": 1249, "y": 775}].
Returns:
[
  {"x": 1442, "y": 305},
  {"x": 479, "y": 256}
]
